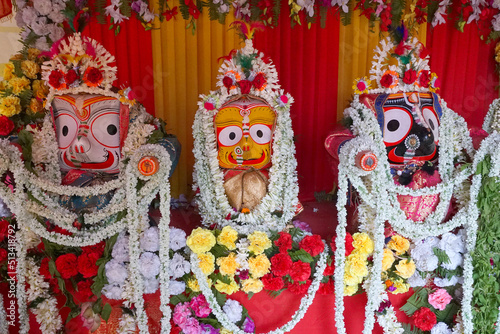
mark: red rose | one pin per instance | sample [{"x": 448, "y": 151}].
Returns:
[
  {"x": 329, "y": 270},
  {"x": 424, "y": 78},
  {"x": 93, "y": 77},
  {"x": 97, "y": 248},
  {"x": 67, "y": 265},
  {"x": 299, "y": 289},
  {"x": 84, "y": 290},
  {"x": 284, "y": 242},
  {"x": 209, "y": 106},
  {"x": 326, "y": 288},
  {"x": 44, "y": 268},
  {"x": 361, "y": 86},
  {"x": 4, "y": 229},
  {"x": 6, "y": 126},
  {"x": 227, "y": 82},
  {"x": 56, "y": 79},
  {"x": 410, "y": 76},
  {"x": 259, "y": 81},
  {"x": 386, "y": 80},
  {"x": 312, "y": 244},
  {"x": 71, "y": 77},
  {"x": 3, "y": 256},
  {"x": 86, "y": 264},
  {"x": 245, "y": 86},
  {"x": 424, "y": 319},
  {"x": 300, "y": 271},
  {"x": 272, "y": 283},
  {"x": 284, "y": 99},
  {"x": 281, "y": 264}
]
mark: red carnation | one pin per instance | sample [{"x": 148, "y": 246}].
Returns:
[
  {"x": 312, "y": 244},
  {"x": 3, "y": 256},
  {"x": 386, "y": 80},
  {"x": 56, "y": 79},
  {"x": 424, "y": 319},
  {"x": 299, "y": 289},
  {"x": 67, "y": 265},
  {"x": 348, "y": 244},
  {"x": 4, "y": 229},
  {"x": 44, "y": 268},
  {"x": 326, "y": 288},
  {"x": 98, "y": 248},
  {"x": 227, "y": 82},
  {"x": 6, "y": 126},
  {"x": 284, "y": 242},
  {"x": 71, "y": 77},
  {"x": 424, "y": 78},
  {"x": 300, "y": 271},
  {"x": 272, "y": 283},
  {"x": 55, "y": 285},
  {"x": 259, "y": 81},
  {"x": 86, "y": 264},
  {"x": 329, "y": 270},
  {"x": 410, "y": 76},
  {"x": 84, "y": 290},
  {"x": 93, "y": 77},
  {"x": 245, "y": 86},
  {"x": 281, "y": 264}
]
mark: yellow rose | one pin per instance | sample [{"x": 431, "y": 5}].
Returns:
[
  {"x": 349, "y": 290},
  {"x": 350, "y": 279},
  {"x": 228, "y": 237},
  {"x": 398, "y": 244},
  {"x": 201, "y": 240},
  {"x": 33, "y": 54},
  {"x": 19, "y": 84},
  {"x": 387, "y": 260},
  {"x": 362, "y": 244},
  {"x": 8, "y": 71},
  {"x": 405, "y": 268},
  {"x": 30, "y": 69},
  {"x": 10, "y": 106},
  {"x": 228, "y": 265},
  {"x": 207, "y": 263},
  {"x": 35, "y": 106},
  {"x": 40, "y": 89},
  {"x": 227, "y": 288},
  {"x": 258, "y": 242},
  {"x": 356, "y": 265},
  {"x": 401, "y": 287},
  {"x": 259, "y": 266},
  {"x": 252, "y": 285}
]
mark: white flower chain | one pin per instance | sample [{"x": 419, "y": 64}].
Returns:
[{"x": 4, "y": 327}]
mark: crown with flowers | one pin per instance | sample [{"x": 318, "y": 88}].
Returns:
[
  {"x": 400, "y": 64},
  {"x": 79, "y": 64}
]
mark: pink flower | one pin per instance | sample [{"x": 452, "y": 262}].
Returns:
[
  {"x": 181, "y": 313},
  {"x": 191, "y": 326},
  {"x": 284, "y": 99},
  {"x": 439, "y": 299},
  {"x": 200, "y": 306},
  {"x": 209, "y": 106}
]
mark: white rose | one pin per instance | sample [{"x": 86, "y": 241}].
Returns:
[
  {"x": 151, "y": 285},
  {"x": 440, "y": 328},
  {"x": 179, "y": 266},
  {"x": 233, "y": 310},
  {"x": 112, "y": 291},
  {"x": 416, "y": 280},
  {"x": 177, "y": 238},
  {"x": 456, "y": 259},
  {"x": 120, "y": 248},
  {"x": 443, "y": 282},
  {"x": 149, "y": 264},
  {"x": 176, "y": 287},
  {"x": 116, "y": 272},
  {"x": 452, "y": 243},
  {"x": 150, "y": 239}
]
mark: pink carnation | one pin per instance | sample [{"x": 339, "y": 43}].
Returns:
[
  {"x": 191, "y": 326},
  {"x": 181, "y": 313},
  {"x": 200, "y": 306},
  {"x": 440, "y": 299}
]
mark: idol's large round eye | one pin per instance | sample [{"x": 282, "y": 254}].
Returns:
[
  {"x": 230, "y": 136},
  {"x": 432, "y": 120},
  {"x": 67, "y": 127},
  {"x": 260, "y": 133},
  {"x": 104, "y": 129},
  {"x": 397, "y": 125}
]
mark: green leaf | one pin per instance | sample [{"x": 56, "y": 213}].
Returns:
[
  {"x": 177, "y": 299},
  {"x": 220, "y": 297},
  {"x": 106, "y": 312},
  {"x": 416, "y": 301},
  {"x": 301, "y": 255}
]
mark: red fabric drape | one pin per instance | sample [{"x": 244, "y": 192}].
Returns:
[
  {"x": 307, "y": 65},
  {"x": 133, "y": 51},
  {"x": 5, "y": 8},
  {"x": 466, "y": 67}
]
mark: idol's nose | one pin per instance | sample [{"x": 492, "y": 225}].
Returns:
[{"x": 81, "y": 144}]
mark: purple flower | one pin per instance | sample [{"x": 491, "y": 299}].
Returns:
[
  {"x": 208, "y": 329},
  {"x": 249, "y": 326},
  {"x": 385, "y": 304},
  {"x": 244, "y": 274},
  {"x": 136, "y": 6},
  {"x": 80, "y": 3},
  {"x": 191, "y": 326},
  {"x": 302, "y": 225},
  {"x": 392, "y": 288}
]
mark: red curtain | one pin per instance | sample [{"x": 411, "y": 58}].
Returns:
[
  {"x": 307, "y": 65},
  {"x": 5, "y": 8}
]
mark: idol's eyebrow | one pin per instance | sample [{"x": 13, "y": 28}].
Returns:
[{"x": 99, "y": 110}]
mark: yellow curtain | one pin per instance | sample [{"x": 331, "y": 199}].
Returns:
[
  {"x": 356, "y": 46},
  {"x": 185, "y": 66}
]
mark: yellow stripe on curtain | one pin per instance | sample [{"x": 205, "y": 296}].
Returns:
[
  {"x": 185, "y": 66},
  {"x": 356, "y": 46}
]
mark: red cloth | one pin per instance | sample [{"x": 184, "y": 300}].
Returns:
[{"x": 5, "y": 8}]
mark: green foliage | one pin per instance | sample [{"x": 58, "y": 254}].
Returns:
[
  {"x": 416, "y": 301},
  {"x": 26, "y": 141},
  {"x": 99, "y": 9},
  {"x": 220, "y": 297},
  {"x": 301, "y": 255},
  {"x": 276, "y": 13},
  {"x": 125, "y": 8},
  {"x": 410, "y": 329},
  {"x": 184, "y": 9},
  {"x": 177, "y": 299},
  {"x": 345, "y": 18},
  {"x": 106, "y": 312},
  {"x": 431, "y": 9},
  {"x": 397, "y": 8},
  {"x": 448, "y": 313},
  {"x": 323, "y": 13},
  {"x": 441, "y": 255}
]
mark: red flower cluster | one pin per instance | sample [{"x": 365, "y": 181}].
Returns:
[
  {"x": 298, "y": 288},
  {"x": 87, "y": 264},
  {"x": 170, "y": 13},
  {"x": 424, "y": 319},
  {"x": 312, "y": 244},
  {"x": 71, "y": 77},
  {"x": 272, "y": 282},
  {"x": 410, "y": 76},
  {"x": 56, "y": 79},
  {"x": 401, "y": 49},
  {"x": 84, "y": 291},
  {"x": 92, "y": 77},
  {"x": 326, "y": 288},
  {"x": 44, "y": 268},
  {"x": 329, "y": 270},
  {"x": 424, "y": 78},
  {"x": 193, "y": 10},
  {"x": 4, "y": 229},
  {"x": 281, "y": 264},
  {"x": 3, "y": 256},
  {"x": 284, "y": 242},
  {"x": 300, "y": 271},
  {"x": 67, "y": 265},
  {"x": 259, "y": 81},
  {"x": 6, "y": 126},
  {"x": 245, "y": 86},
  {"x": 227, "y": 82}
]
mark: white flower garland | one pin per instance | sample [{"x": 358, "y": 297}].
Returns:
[
  {"x": 221, "y": 316},
  {"x": 4, "y": 325}
]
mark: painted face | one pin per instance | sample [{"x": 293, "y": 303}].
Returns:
[
  {"x": 409, "y": 124},
  {"x": 244, "y": 134},
  {"x": 88, "y": 132}
]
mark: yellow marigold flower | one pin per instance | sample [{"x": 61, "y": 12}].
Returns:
[
  {"x": 33, "y": 54},
  {"x": 349, "y": 290},
  {"x": 356, "y": 265},
  {"x": 30, "y": 69},
  {"x": 258, "y": 242},
  {"x": 259, "y": 266},
  {"x": 201, "y": 240},
  {"x": 401, "y": 287},
  {"x": 35, "y": 106},
  {"x": 228, "y": 237},
  {"x": 387, "y": 260},
  {"x": 225, "y": 331},
  {"x": 350, "y": 279},
  {"x": 228, "y": 265},
  {"x": 362, "y": 244},
  {"x": 40, "y": 89},
  {"x": 405, "y": 268},
  {"x": 399, "y": 244},
  {"x": 8, "y": 71},
  {"x": 10, "y": 106},
  {"x": 207, "y": 263},
  {"x": 227, "y": 288},
  {"x": 19, "y": 84},
  {"x": 252, "y": 285}
]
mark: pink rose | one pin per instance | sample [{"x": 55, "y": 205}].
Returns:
[
  {"x": 440, "y": 299},
  {"x": 200, "y": 306}
]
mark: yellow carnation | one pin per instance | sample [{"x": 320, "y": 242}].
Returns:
[
  {"x": 258, "y": 242},
  {"x": 8, "y": 71},
  {"x": 40, "y": 89},
  {"x": 228, "y": 265},
  {"x": 228, "y": 237},
  {"x": 19, "y": 84},
  {"x": 350, "y": 279},
  {"x": 259, "y": 266},
  {"x": 192, "y": 283},
  {"x": 10, "y": 106},
  {"x": 201, "y": 240},
  {"x": 387, "y": 260},
  {"x": 252, "y": 285},
  {"x": 35, "y": 106},
  {"x": 229, "y": 289},
  {"x": 225, "y": 331},
  {"x": 405, "y": 268},
  {"x": 401, "y": 287},
  {"x": 33, "y": 54},
  {"x": 356, "y": 265},
  {"x": 207, "y": 263},
  {"x": 398, "y": 244},
  {"x": 30, "y": 69},
  {"x": 349, "y": 290},
  {"x": 362, "y": 244}
]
